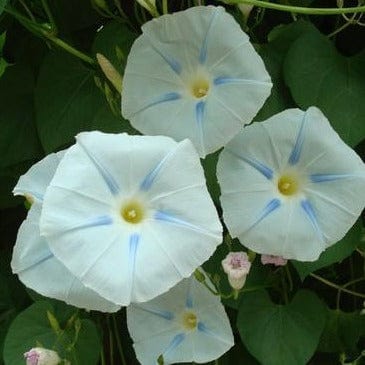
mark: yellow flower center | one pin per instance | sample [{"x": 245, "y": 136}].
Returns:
[
  {"x": 189, "y": 320},
  {"x": 288, "y": 185},
  {"x": 200, "y": 87},
  {"x": 132, "y": 212}
]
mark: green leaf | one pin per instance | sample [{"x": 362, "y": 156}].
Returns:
[
  {"x": 342, "y": 332},
  {"x": 68, "y": 102},
  {"x": 281, "y": 334},
  {"x": 18, "y": 134},
  {"x": 78, "y": 343},
  {"x": 114, "y": 41},
  {"x": 318, "y": 75},
  {"x": 273, "y": 55},
  {"x": 2, "y": 5},
  {"x": 335, "y": 253}
]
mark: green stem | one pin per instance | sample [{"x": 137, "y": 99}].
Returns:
[
  {"x": 344, "y": 26},
  {"x": 338, "y": 287},
  {"x": 297, "y": 9},
  {"x": 165, "y": 9},
  {"x": 119, "y": 343},
  {"x": 284, "y": 287},
  {"x": 49, "y": 15},
  {"x": 40, "y": 30},
  {"x": 290, "y": 280},
  {"x": 30, "y": 14},
  {"x": 111, "y": 346},
  {"x": 343, "y": 287}
]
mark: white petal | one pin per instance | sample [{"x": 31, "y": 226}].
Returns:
[
  {"x": 156, "y": 326},
  {"x": 330, "y": 197},
  {"x": 39, "y": 270},
  {"x": 35, "y": 181},
  {"x": 176, "y": 49},
  {"x": 82, "y": 222}
]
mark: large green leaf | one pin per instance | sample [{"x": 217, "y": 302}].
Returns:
[
  {"x": 273, "y": 54},
  {"x": 341, "y": 333},
  {"x": 68, "y": 102},
  {"x": 335, "y": 253},
  {"x": 281, "y": 334},
  {"x": 76, "y": 341},
  {"x": 318, "y": 75},
  {"x": 18, "y": 135}
]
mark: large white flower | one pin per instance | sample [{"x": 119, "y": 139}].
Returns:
[
  {"x": 188, "y": 323},
  {"x": 32, "y": 259},
  {"x": 194, "y": 74},
  {"x": 290, "y": 186},
  {"x": 130, "y": 216}
]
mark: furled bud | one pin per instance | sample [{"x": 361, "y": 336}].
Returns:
[
  {"x": 274, "y": 260},
  {"x": 236, "y": 265}
]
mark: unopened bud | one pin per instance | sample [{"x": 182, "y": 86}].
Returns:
[
  {"x": 236, "y": 265},
  {"x": 199, "y": 276},
  {"x": 274, "y": 260},
  {"x": 110, "y": 72},
  {"x": 41, "y": 356}
]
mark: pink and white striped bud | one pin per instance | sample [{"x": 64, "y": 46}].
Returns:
[
  {"x": 41, "y": 356},
  {"x": 274, "y": 260},
  {"x": 236, "y": 265}
]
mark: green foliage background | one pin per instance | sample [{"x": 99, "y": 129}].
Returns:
[{"x": 51, "y": 88}]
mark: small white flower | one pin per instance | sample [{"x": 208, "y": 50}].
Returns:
[
  {"x": 33, "y": 261},
  {"x": 41, "y": 356},
  {"x": 194, "y": 74},
  {"x": 186, "y": 324},
  {"x": 273, "y": 260},
  {"x": 237, "y": 266},
  {"x": 290, "y": 186},
  {"x": 130, "y": 216}
]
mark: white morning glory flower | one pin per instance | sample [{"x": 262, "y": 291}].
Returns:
[
  {"x": 130, "y": 216},
  {"x": 32, "y": 259},
  {"x": 194, "y": 74},
  {"x": 290, "y": 186},
  {"x": 186, "y": 324}
]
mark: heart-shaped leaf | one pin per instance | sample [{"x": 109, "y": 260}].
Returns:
[
  {"x": 76, "y": 339},
  {"x": 281, "y": 334},
  {"x": 68, "y": 102},
  {"x": 318, "y": 75}
]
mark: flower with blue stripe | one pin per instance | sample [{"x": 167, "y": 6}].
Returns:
[
  {"x": 194, "y": 74},
  {"x": 290, "y": 186}
]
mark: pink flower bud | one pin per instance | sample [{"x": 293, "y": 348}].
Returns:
[
  {"x": 41, "y": 356},
  {"x": 274, "y": 260},
  {"x": 236, "y": 265}
]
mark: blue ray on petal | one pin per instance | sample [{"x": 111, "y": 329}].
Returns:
[
  {"x": 171, "y": 96},
  {"x": 174, "y": 64},
  {"x": 169, "y": 218},
  {"x": 318, "y": 178},
  {"x": 297, "y": 149},
  {"x": 199, "y": 115},
  {"x": 204, "y": 48},
  {"x": 223, "y": 80},
  {"x": 271, "y": 206},
  {"x": 160, "y": 313},
  {"x": 151, "y": 176},
  {"x": 133, "y": 246},
  {"x": 176, "y": 341},
  {"x": 311, "y": 214},
  {"x": 103, "y": 171},
  {"x": 40, "y": 261},
  {"x": 102, "y": 220},
  {"x": 189, "y": 297},
  {"x": 259, "y": 166}
]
